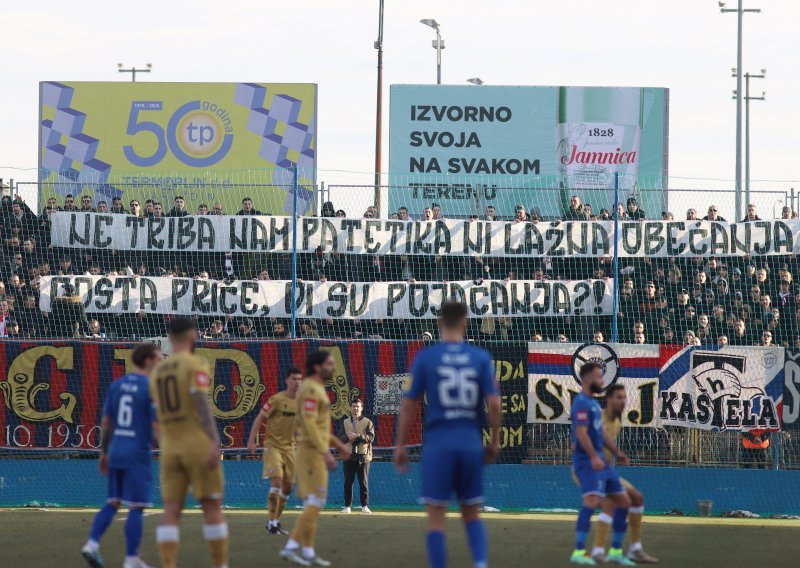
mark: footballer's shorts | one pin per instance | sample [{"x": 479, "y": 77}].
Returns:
[
  {"x": 311, "y": 474},
  {"x": 592, "y": 482},
  {"x": 132, "y": 485},
  {"x": 279, "y": 463},
  {"x": 186, "y": 467},
  {"x": 449, "y": 472}
]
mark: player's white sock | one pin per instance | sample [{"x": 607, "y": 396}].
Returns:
[
  {"x": 308, "y": 552},
  {"x": 597, "y": 550},
  {"x": 292, "y": 544},
  {"x": 93, "y": 544},
  {"x": 635, "y": 546}
]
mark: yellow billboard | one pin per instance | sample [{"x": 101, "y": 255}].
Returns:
[{"x": 207, "y": 142}]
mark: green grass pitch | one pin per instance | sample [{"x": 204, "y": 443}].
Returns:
[{"x": 33, "y": 538}]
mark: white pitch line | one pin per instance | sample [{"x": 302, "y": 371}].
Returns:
[{"x": 125, "y": 518}]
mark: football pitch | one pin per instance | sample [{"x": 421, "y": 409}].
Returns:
[{"x": 35, "y": 537}]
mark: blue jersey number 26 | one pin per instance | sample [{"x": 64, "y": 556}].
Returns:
[{"x": 458, "y": 387}]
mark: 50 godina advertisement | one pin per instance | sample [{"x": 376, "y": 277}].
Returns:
[{"x": 201, "y": 140}]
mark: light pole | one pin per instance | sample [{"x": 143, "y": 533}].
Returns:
[
  {"x": 475, "y": 81},
  {"x": 379, "y": 110},
  {"x": 133, "y": 70},
  {"x": 740, "y": 11},
  {"x": 438, "y": 45},
  {"x": 747, "y": 99}
]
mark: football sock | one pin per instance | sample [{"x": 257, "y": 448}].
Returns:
[
  {"x": 583, "y": 527},
  {"x": 292, "y": 544},
  {"x": 478, "y": 542},
  {"x": 309, "y": 552},
  {"x": 167, "y": 539},
  {"x": 217, "y": 538},
  {"x": 437, "y": 552},
  {"x": 620, "y": 525},
  {"x": 272, "y": 504},
  {"x": 101, "y": 521},
  {"x": 602, "y": 528},
  {"x": 134, "y": 527},
  {"x": 282, "y": 499},
  {"x": 635, "y": 515}
]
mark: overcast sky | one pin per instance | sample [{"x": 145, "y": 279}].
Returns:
[{"x": 686, "y": 45}]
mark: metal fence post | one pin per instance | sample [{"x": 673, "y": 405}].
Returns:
[
  {"x": 296, "y": 190},
  {"x": 615, "y": 316}
]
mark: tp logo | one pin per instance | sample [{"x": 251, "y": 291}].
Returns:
[{"x": 200, "y": 134}]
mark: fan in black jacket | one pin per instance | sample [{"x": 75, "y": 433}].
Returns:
[{"x": 68, "y": 316}]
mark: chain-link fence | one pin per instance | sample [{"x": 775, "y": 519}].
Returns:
[{"x": 268, "y": 256}]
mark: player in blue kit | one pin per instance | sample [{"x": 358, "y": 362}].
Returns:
[
  {"x": 455, "y": 378},
  {"x": 126, "y": 456},
  {"x": 596, "y": 477}
]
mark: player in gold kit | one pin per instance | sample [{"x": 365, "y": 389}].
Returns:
[
  {"x": 190, "y": 454},
  {"x": 314, "y": 458},
  {"x": 279, "y": 440},
  {"x": 616, "y": 400}
]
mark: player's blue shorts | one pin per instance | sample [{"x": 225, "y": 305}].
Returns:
[
  {"x": 593, "y": 482},
  {"x": 446, "y": 472},
  {"x": 133, "y": 485}
]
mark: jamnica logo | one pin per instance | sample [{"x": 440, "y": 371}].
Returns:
[{"x": 579, "y": 157}]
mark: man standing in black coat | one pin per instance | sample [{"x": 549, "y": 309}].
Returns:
[{"x": 68, "y": 316}]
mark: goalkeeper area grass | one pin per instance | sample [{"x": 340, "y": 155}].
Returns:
[{"x": 35, "y": 537}]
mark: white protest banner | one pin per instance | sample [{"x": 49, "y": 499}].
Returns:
[
  {"x": 729, "y": 388},
  {"x": 580, "y": 239},
  {"x": 371, "y": 300}
]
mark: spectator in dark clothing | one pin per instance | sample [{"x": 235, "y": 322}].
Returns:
[
  {"x": 634, "y": 213},
  {"x": 740, "y": 335},
  {"x": 117, "y": 207},
  {"x": 280, "y": 330},
  {"x": 247, "y": 208},
  {"x": 245, "y": 330},
  {"x": 65, "y": 267},
  {"x": 22, "y": 215},
  {"x": 68, "y": 316},
  {"x": 328, "y": 210},
  {"x": 86, "y": 204},
  {"x": 713, "y": 214},
  {"x": 13, "y": 329},
  {"x": 179, "y": 208},
  {"x": 69, "y": 203},
  {"x": 31, "y": 319},
  {"x": 751, "y": 214},
  {"x": 575, "y": 210}
]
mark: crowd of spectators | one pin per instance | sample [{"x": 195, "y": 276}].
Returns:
[{"x": 688, "y": 300}]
